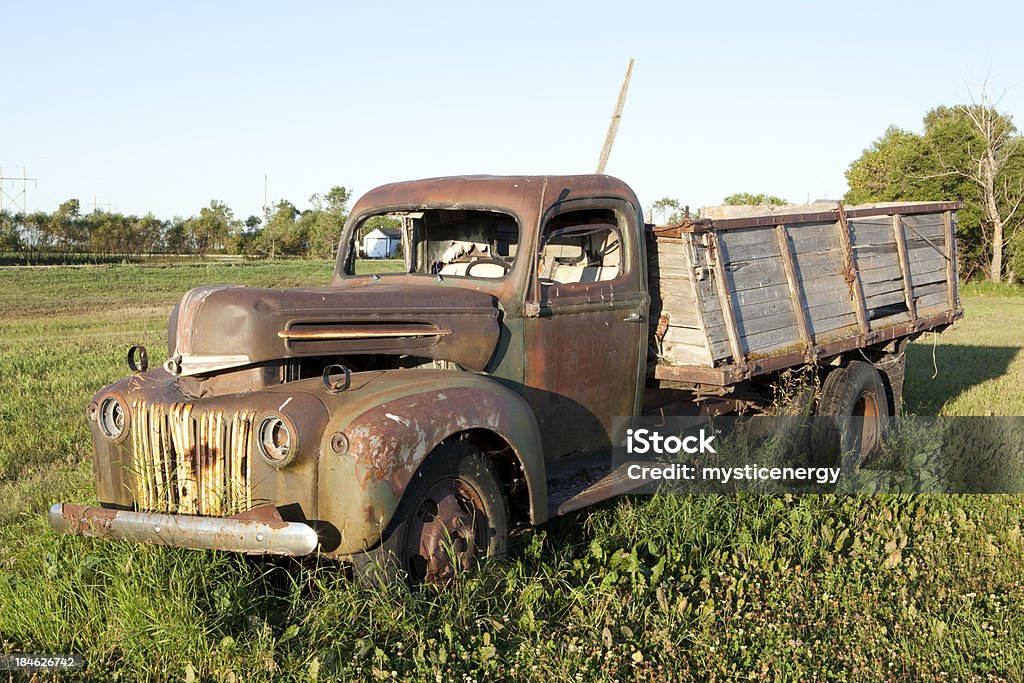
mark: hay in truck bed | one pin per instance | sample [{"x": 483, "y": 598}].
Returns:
[{"x": 749, "y": 290}]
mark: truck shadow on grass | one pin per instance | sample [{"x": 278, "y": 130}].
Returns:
[{"x": 957, "y": 368}]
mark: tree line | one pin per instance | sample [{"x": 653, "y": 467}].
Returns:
[
  {"x": 968, "y": 152},
  {"x": 284, "y": 230}
]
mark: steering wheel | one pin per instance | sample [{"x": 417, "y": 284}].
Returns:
[{"x": 505, "y": 267}]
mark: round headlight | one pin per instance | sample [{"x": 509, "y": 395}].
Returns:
[
  {"x": 111, "y": 417},
  {"x": 275, "y": 440}
]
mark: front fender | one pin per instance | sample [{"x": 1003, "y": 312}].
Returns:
[{"x": 391, "y": 424}]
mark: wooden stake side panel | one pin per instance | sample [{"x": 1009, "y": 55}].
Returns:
[{"x": 740, "y": 293}]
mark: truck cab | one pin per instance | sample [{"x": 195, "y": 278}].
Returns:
[
  {"x": 401, "y": 420},
  {"x": 562, "y": 259}
]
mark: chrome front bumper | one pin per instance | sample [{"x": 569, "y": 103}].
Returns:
[{"x": 234, "y": 534}]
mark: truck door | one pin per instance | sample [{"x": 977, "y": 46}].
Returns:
[{"x": 586, "y": 342}]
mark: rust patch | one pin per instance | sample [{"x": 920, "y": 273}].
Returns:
[
  {"x": 391, "y": 440},
  {"x": 191, "y": 462},
  {"x": 267, "y": 514},
  {"x": 662, "y": 328},
  {"x": 89, "y": 521}
]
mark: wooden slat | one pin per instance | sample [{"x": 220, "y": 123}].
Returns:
[
  {"x": 932, "y": 300},
  {"x": 794, "y": 287},
  {"x": 871, "y": 233},
  {"x": 896, "y": 296},
  {"x": 917, "y": 257},
  {"x": 681, "y": 311},
  {"x": 773, "y": 340},
  {"x": 704, "y": 317},
  {"x": 891, "y": 273},
  {"x": 856, "y": 295},
  {"x": 928, "y": 226},
  {"x": 928, "y": 278},
  {"x": 775, "y": 316},
  {"x": 725, "y": 297},
  {"x": 685, "y": 354},
  {"x": 930, "y": 288},
  {"x": 947, "y": 227},
  {"x": 901, "y": 248},
  {"x": 685, "y": 335},
  {"x": 823, "y": 325}
]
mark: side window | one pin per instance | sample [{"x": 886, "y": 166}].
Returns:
[{"x": 580, "y": 247}]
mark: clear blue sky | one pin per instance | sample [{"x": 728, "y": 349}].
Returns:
[{"x": 164, "y": 107}]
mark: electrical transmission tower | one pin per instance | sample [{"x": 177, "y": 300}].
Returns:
[
  {"x": 103, "y": 206},
  {"x": 17, "y": 199}
]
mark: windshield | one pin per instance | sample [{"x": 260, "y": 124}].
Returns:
[{"x": 446, "y": 242}]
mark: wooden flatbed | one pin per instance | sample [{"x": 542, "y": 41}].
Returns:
[{"x": 749, "y": 290}]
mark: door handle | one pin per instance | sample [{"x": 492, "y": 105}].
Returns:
[{"x": 633, "y": 318}]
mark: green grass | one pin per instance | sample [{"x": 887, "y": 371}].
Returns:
[
  {"x": 640, "y": 588},
  {"x": 974, "y": 368},
  {"x": 985, "y": 288}
]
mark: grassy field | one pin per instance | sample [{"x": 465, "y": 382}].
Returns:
[{"x": 641, "y": 588}]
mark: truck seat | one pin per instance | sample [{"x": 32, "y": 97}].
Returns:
[
  {"x": 569, "y": 263},
  {"x": 485, "y": 270}
]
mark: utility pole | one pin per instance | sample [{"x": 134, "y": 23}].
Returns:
[
  {"x": 613, "y": 125},
  {"x": 19, "y": 199},
  {"x": 266, "y": 217}
]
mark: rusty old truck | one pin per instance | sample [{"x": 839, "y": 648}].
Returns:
[{"x": 405, "y": 419}]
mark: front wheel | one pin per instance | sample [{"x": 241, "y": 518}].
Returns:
[{"x": 452, "y": 513}]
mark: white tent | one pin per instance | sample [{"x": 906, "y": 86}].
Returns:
[{"x": 381, "y": 242}]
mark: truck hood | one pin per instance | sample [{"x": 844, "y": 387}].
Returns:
[{"x": 226, "y": 326}]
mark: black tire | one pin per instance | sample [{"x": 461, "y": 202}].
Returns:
[
  {"x": 856, "y": 391},
  {"x": 452, "y": 513}
]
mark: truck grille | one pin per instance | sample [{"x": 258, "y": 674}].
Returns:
[{"x": 190, "y": 462}]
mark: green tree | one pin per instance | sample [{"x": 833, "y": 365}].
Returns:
[
  {"x": 215, "y": 229},
  {"x": 281, "y": 235},
  {"x": 669, "y": 209},
  {"x": 66, "y": 227},
  {"x": 249, "y": 239},
  {"x": 748, "y": 198},
  {"x": 109, "y": 233},
  {"x": 146, "y": 233},
  {"x": 176, "y": 237},
  {"x": 325, "y": 221},
  {"x": 994, "y": 168},
  {"x": 36, "y": 232},
  {"x": 10, "y": 239},
  {"x": 890, "y": 170},
  {"x": 969, "y": 153}
]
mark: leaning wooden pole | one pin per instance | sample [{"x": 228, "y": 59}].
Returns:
[{"x": 613, "y": 125}]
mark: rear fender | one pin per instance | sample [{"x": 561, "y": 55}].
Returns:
[{"x": 382, "y": 447}]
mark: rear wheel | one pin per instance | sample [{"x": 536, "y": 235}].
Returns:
[
  {"x": 852, "y": 415},
  {"x": 452, "y": 513}
]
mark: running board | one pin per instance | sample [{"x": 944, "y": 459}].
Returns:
[{"x": 589, "y": 486}]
